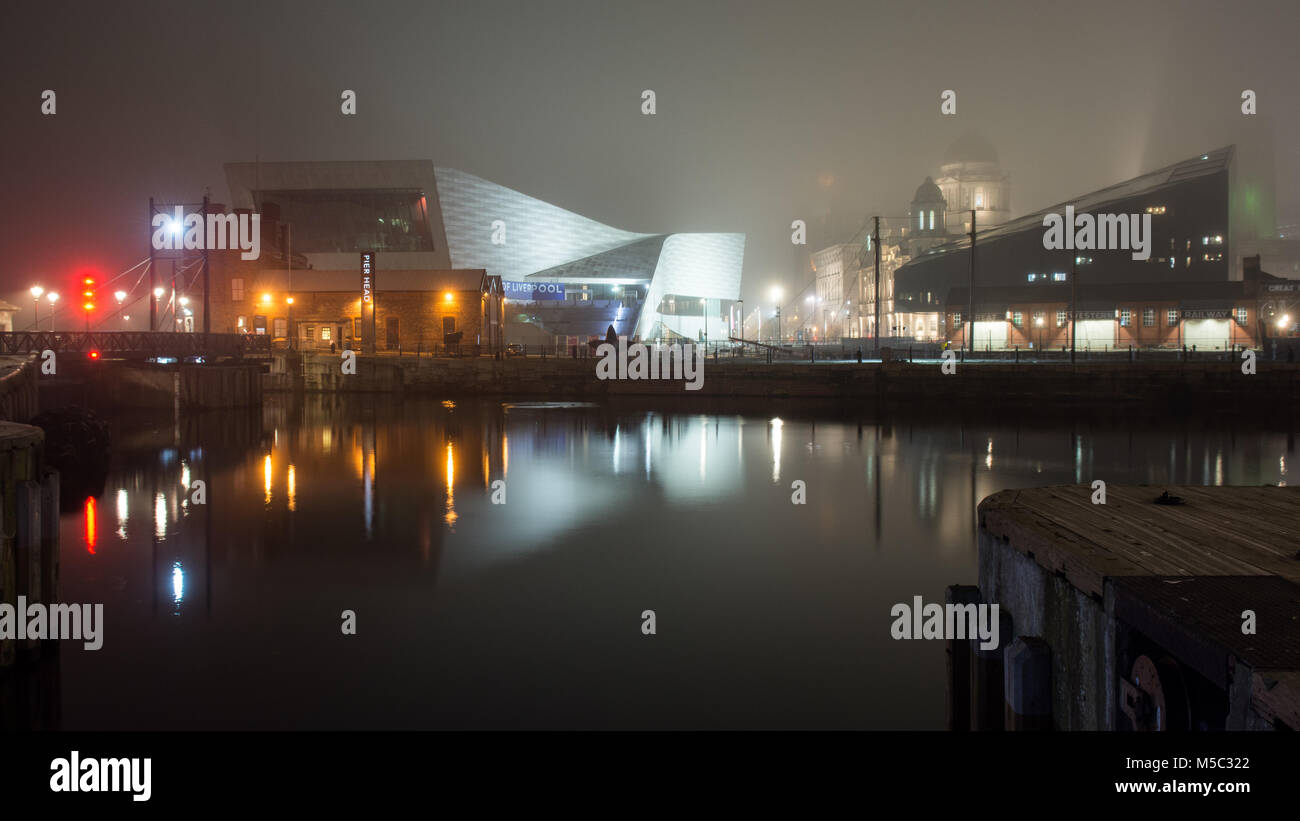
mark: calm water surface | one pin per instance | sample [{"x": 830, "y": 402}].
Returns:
[{"x": 528, "y": 614}]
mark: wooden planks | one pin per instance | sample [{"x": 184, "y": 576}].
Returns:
[{"x": 1218, "y": 531}]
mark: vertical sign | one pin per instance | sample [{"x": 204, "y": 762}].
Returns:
[{"x": 368, "y": 302}]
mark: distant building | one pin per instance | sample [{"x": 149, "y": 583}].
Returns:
[
  {"x": 1193, "y": 221},
  {"x": 7, "y": 311},
  {"x": 1207, "y": 316},
  {"x": 506, "y": 259},
  {"x": 971, "y": 179}
]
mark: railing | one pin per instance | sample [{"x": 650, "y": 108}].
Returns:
[{"x": 139, "y": 343}]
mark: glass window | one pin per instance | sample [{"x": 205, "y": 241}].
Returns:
[
  {"x": 1018, "y": 319},
  {"x": 352, "y": 220},
  {"x": 237, "y": 289},
  {"x": 932, "y": 220},
  {"x": 325, "y": 334},
  {"x": 1125, "y": 318},
  {"x": 1061, "y": 318},
  {"x": 280, "y": 327},
  {"x": 1172, "y": 317},
  {"x": 1148, "y": 317},
  {"x": 1059, "y": 276},
  {"x": 920, "y": 221},
  {"x": 956, "y": 318},
  {"x": 1241, "y": 316}
]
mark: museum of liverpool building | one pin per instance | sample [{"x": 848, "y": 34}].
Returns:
[
  {"x": 1201, "y": 283},
  {"x": 452, "y": 254}
]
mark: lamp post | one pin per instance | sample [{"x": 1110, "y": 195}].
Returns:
[
  {"x": 53, "y": 297},
  {"x": 153, "y": 313},
  {"x": 1038, "y": 321},
  {"x": 776, "y": 298},
  {"x": 292, "y": 332},
  {"x": 36, "y": 305},
  {"x": 120, "y": 296}
]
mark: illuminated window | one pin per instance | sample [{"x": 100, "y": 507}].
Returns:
[
  {"x": 325, "y": 334},
  {"x": 1171, "y": 318},
  {"x": 237, "y": 290},
  {"x": 1061, "y": 318},
  {"x": 280, "y": 326},
  {"x": 1155, "y": 209},
  {"x": 1148, "y": 317},
  {"x": 932, "y": 220},
  {"x": 1059, "y": 276},
  {"x": 920, "y": 221},
  {"x": 956, "y": 318},
  {"x": 1031, "y": 277},
  {"x": 1241, "y": 316},
  {"x": 979, "y": 198},
  {"x": 1125, "y": 318},
  {"x": 1018, "y": 319}
]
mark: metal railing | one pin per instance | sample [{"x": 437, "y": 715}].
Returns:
[{"x": 136, "y": 343}]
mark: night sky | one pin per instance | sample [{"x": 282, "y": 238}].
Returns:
[{"x": 767, "y": 112}]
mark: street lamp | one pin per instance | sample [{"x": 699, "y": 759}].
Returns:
[
  {"x": 1038, "y": 321},
  {"x": 53, "y": 297},
  {"x": 776, "y": 298},
  {"x": 120, "y": 296},
  {"x": 157, "y": 295},
  {"x": 36, "y": 307},
  {"x": 293, "y": 332}
]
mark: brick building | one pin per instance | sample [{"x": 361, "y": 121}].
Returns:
[
  {"x": 1207, "y": 315},
  {"x": 323, "y": 309}
]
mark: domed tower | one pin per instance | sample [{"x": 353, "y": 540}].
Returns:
[
  {"x": 928, "y": 218},
  {"x": 971, "y": 179}
]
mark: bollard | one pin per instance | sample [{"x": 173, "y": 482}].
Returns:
[
  {"x": 986, "y": 697},
  {"x": 859, "y": 354},
  {"x": 1028, "y": 684},
  {"x": 1017, "y": 347},
  {"x": 958, "y": 662}
]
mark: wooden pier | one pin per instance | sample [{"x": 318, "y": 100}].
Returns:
[{"x": 1182, "y": 613}]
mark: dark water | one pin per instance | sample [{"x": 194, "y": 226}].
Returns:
[{"x": 528, "y": 614}]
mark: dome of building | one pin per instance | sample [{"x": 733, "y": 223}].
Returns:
[
  {"x": 970, "y": 147},
  {"x": 928, "y": 192}
]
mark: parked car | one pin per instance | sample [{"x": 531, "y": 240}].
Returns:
[{"x": 514, "y": 349}]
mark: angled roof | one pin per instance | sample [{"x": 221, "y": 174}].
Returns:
[{"x": 1199, "y": 166}]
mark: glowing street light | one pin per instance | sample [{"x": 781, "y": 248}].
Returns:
[
  {"x": 1284, "y": 322},
  {"x": 120, "y": 296},
  {"x": 776, "y": 297},
  {"x": 36, "y": 307}
]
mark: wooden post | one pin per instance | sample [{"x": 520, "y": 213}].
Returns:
[
  {"x": 28, "y": 536},
  {"x": 1028, "y": 687},
  {"x": 986, "y": 697},
  {"x": 8, "y": 592},
  {"x": 50, "y": 536},
  {"x": 958, "y": 655}
]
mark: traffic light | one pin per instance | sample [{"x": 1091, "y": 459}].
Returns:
[{"x": 88, "y": 298}]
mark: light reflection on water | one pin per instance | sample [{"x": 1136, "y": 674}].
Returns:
[{"x": 527, "y": 613}]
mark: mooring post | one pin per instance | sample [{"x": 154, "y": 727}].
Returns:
[
  {"x": 986, "y": 697},
  {"x": 1028, "y": 687},
  {"x": 28, "y": 535},
  {"x": 50, "y": 536},
  {"x": 958, "y": 662}
]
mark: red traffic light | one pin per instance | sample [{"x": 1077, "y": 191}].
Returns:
[{"x": 94, "y": 354}]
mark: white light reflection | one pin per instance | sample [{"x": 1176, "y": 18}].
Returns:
[
  {"x": 122, "y": 509},
  {"x": 776, "y": 424},
  {"x": 160, "y": 516},
  {"x": 178, "y": 586}
]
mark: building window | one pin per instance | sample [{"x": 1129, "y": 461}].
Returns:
[
  {"x": 1172, "y": 317},
  {"x": 1018, "y": 319},
  {"x": 325, "y": 334},
  {"x": 237, "y": 290},
  {"x": 1125, "y": 318},
  {"x": 449, "y": 324},
  {"x": 1059, "y": 276},
  {"x": 979, "y": 198},
  {"x": 1148, "y": 317},
  {"x": 1241, "y": 316},
  {"x": 1155, "y": 209},
  {"x": 311, "y": 332},
  {"x": 1061, "y": 317},
  {"x": 280, "y": 327},
  {"x": 956, "y": 319},
  {"x": 1031, "y": 277},
  {"x": 932, "y": 220},
  {"x": 1214, "y": 240},
  {"x": 240, "y": 323},
  {"x": 920, "y": 221}
]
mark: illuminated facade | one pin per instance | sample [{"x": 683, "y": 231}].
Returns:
[{"x": 559, "y": 273}]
